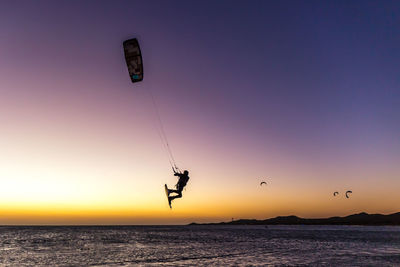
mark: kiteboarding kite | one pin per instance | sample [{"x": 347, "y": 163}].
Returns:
[
  {"x": 134, "y": 62},
  {"x": 347, "y": 193},
  {"x": 335, "y": 193},
  {"x": 133, "y": 58},
  {"x": 263, "y": 183}
]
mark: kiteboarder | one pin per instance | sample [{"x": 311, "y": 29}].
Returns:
[
  {"x": 134, "y": 61},
  {"x": 183, "y": 179}
]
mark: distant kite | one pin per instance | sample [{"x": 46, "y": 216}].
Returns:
[
  {"x": 348, "y": 192},
  {"x": 263, "y": 183},
  {"x": 335, "y": 193}
]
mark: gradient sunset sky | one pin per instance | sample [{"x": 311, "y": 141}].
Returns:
[{"x": 302, "y": 94}]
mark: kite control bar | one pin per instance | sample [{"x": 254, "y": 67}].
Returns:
[{"x": 175, "y": 169}]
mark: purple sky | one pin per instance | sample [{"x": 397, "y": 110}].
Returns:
[{"x": 263, "y": 86}]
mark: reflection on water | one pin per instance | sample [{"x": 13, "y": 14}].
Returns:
[{"x": 200, "y": 246}]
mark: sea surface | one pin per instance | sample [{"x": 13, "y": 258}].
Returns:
[{"x": 200, "y": 246}]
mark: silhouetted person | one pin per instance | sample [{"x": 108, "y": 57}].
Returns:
[{"x": 183, "y": 179}]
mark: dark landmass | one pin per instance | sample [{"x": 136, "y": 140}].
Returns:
[{"x": 355, "y": 219}]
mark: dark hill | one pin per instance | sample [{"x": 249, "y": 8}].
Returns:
[{"x": 355, "y": 219}]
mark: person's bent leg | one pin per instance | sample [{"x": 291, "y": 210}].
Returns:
[
  {"x": 173, "y": 191},
  {"x": 179, "y": 195}
]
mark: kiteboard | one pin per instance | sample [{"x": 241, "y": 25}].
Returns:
[{"x": 167, "y": 193}]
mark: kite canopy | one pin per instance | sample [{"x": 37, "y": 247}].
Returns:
[
  {"x": 347, "y": 193},
  {"x": 335, "y": 193},
  {"x": 133, "y": 58},
  {"x": 263, "y": 183}
]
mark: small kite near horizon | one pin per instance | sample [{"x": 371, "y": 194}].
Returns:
[
  {"x": 335, "y": 193},
  {"x": 263, "y": 183},
  {"x": 348, "y": 192}
]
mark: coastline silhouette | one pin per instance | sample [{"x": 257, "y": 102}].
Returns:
[{"x": 362, "y": 218}]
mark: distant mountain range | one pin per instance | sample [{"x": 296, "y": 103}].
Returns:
[{"x": 355, "y": 219}]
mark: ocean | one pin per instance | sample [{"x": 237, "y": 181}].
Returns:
[{"x": 200, "y": 246}]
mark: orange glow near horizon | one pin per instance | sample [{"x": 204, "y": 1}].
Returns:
[{"x": 220, "y": 203}]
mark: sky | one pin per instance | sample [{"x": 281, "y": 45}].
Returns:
[{"x": 304, "y": 95}]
